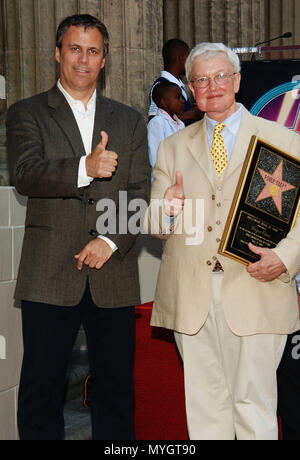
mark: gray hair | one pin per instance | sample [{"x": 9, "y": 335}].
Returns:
[{"x": 209, "y": 50}]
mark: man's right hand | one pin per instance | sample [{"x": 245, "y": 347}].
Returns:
[
  {"x": 174, "y": 197},
  {"x": 101, "y": 163}
]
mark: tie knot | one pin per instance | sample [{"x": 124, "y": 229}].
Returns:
[{"x": 219, "y": 127}]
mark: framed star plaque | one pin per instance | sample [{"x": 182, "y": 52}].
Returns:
[{"x": 266, "y": 202}]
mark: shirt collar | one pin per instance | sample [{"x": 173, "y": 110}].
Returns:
[
  {"x": 175, "y": 120},
  {"x": 77, "y": 104},
  {"x": 232, "y": 122}
]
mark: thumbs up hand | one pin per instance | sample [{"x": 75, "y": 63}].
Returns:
[
  {"x": 174, "y": 197},
  {"x": 101, "y": 163}
]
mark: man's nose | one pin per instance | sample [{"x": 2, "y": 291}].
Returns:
[
  {"x": 83, "y": 57},
  {"x": 212, "y": 83}
]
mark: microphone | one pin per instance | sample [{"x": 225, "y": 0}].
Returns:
[{"x": 286, "y": 35}]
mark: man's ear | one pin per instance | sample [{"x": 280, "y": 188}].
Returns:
[
  {"x": 191, "y": 88},
  {"x": 237, "y": 82},
  {"x": 57, "y": 54},
  {"x": 103, "y": 63}
]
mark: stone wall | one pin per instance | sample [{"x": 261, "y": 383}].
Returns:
[{"x": 12, "y": 215}]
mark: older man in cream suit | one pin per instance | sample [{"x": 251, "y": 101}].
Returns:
[{"x": 230, "y": 321}]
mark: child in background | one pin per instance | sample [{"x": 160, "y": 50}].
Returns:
[{"x": 169, "y": 100}]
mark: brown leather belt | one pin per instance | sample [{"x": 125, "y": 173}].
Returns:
[{"x": 218, "y": 267}]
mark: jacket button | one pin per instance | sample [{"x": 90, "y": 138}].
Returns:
[
  {"x": 209, "y": 229},
  {"x": 218, "y": 222},
  {"x": 213, "y": 197},
  {"x": 91, "y": 201},
  {"x": 93, "y": 233},
  {"x": 209, "y": 263}
]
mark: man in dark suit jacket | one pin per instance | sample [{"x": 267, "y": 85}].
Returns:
[{"x": 69, "y": 148}]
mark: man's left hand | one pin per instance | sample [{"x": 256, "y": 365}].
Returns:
[
  {"x": 268, "y": 268},
  {"x": 95, "y": 254}
]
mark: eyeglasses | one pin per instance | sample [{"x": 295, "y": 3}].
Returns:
[{"x": 220, "y": 79}]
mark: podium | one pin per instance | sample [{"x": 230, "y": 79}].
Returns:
[{"x": 257, "y": 53}]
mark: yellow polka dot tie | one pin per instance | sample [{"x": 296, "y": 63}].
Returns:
[{"x": 218, "y": 149}]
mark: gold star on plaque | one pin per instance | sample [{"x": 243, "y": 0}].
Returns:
[{"x": 275, "y": 186}]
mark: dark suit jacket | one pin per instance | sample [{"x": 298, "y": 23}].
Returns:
[{"x": 44, "y": 147}]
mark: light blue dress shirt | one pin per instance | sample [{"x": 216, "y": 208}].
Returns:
[{"x": 229, "y": 133}]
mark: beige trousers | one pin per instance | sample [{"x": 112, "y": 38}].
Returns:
[{"x": 230, "y": 381}]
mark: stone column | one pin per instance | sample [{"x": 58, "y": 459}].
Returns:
[
  {"x": 284, "y": 16},
  {"x": 136, "y": 32},
  {"x": 235, "y": 22}
]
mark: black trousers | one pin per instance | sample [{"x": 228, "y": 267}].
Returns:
[
  {"x": 49, "y": 333},
  {"x": 288, "y": 377}
]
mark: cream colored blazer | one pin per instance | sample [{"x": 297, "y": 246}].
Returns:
[{"x": 184, "y": 289}]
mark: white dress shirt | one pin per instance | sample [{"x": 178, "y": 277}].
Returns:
[{"x": 85, "y": 120}]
